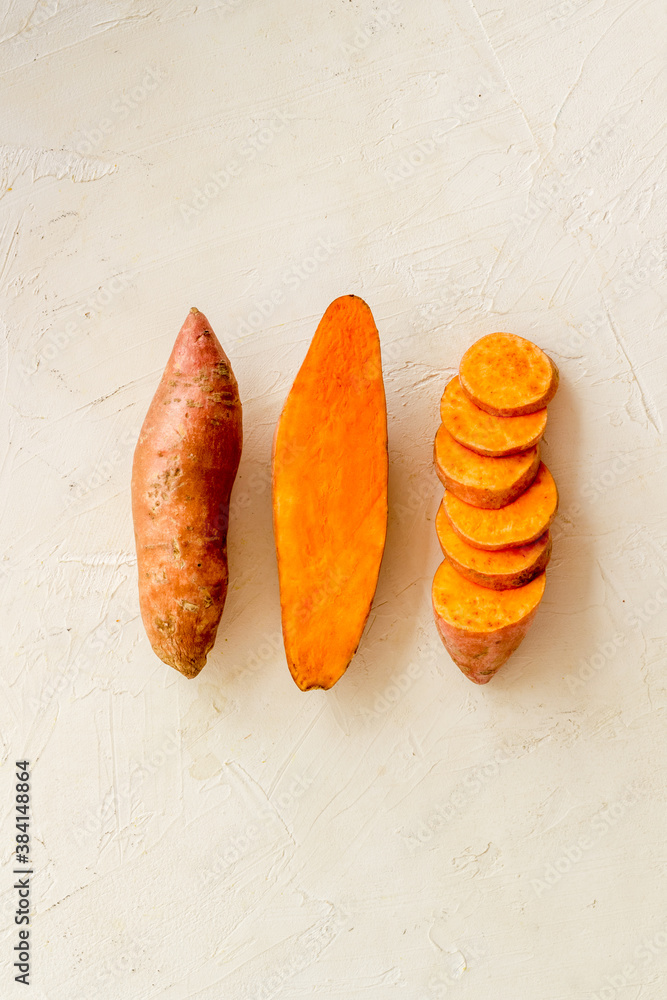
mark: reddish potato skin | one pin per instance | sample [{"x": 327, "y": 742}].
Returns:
[
  {"x": 479, "y": 627},
  {"x": 184, "y": 467},
  {"x": 479, "y": 655}
]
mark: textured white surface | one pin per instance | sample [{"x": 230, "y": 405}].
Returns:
[{"x": 464, "y": 168}]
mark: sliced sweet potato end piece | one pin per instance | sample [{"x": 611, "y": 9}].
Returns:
[{"x": 481, "y": 628}]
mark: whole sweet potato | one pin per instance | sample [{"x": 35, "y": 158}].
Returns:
[{"x": 184, "y": 468}]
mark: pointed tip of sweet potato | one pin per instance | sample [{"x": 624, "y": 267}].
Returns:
[
  {"x": 188, "y": 659},
  {"x": 196, "y": 347},
  {"x": 480, "y": 678},
  {"x": 190, "y": 667},
  {"x": 305, "y": 684}
]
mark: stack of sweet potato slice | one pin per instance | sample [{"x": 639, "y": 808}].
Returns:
[{"x": 500, "y": 499}]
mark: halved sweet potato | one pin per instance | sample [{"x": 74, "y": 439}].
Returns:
[
  {"x": 484, "y": 432},
  {"x": 330, "y": 494},
  {"x": 481, "y": 628},
  {"x": 497, "y": 570},
  {"x": 519, "y": 523},
  {"x": 508, "y": 375},
  {"x": 478, "y": 479}
]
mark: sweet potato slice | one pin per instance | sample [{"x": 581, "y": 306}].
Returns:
[
  {"x": 497, "y": 570},
  {"x": 508, "y": 375},
  {"x": 185, "y": 463},
  {"x": 478, "y": 479},
  {"x": 484, "y": 432},
  {"x": 519, "y": 523},
  {"x": 481, "y": 628},
  {"x": 330, "y": 494}
]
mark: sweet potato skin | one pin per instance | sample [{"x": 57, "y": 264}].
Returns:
[
  {"x": 486, "y": 433},
  {"x": 330, "y": 471},
  {"x": 507, "y": 375},
  {"x": 502, "y": 569},
  {"x": 479, "y": 480},
  {"x": 519, "y": 523},
  {"x": 185, "y": 463},
  {"x": 478, "y": 653}
]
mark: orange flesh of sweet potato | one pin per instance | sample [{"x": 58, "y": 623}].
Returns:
[
  {"x": 484, "y": 432},
  {"x": 519, "y": 523},
  {"x": 481, "y": 628},
  {"x": 478, "y": 479},
  {"x": 497, "y": 570},
  {"x": 185, "y": 463},
  {"x": 330, "y": 494},
  {"x": 507, "y": 375}
]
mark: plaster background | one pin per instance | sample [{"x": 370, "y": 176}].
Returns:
[{"x": 464, "y": 168}]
